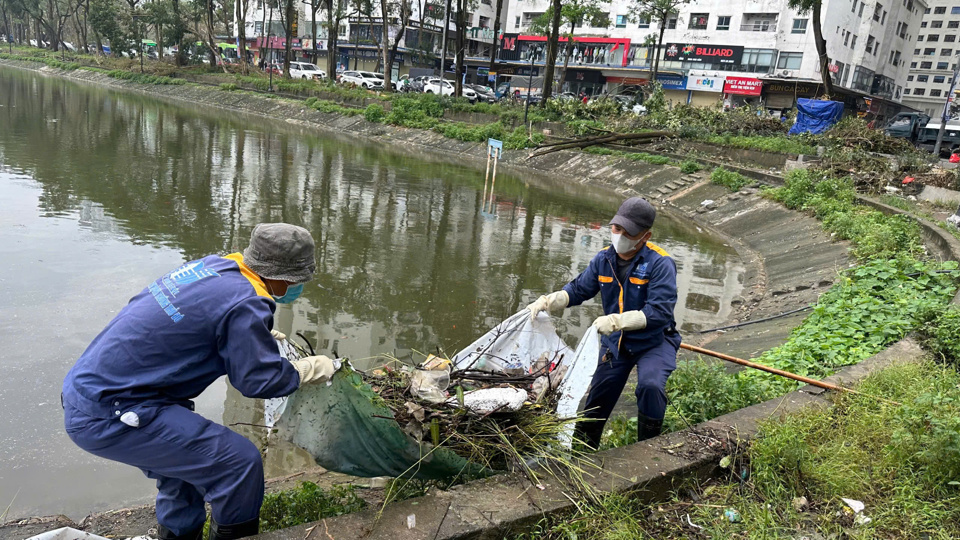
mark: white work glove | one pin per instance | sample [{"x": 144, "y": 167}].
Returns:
[
  {"x": 554, "y": 301},
  {"x": 628, "y": 320},
  {"x": 315, "y": 368},
  {"x": 278, "y": 335}
]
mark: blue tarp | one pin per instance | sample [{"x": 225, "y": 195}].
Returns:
[{"x": 816, "y": 116}]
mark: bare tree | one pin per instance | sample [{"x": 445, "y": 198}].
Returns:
[
  {"x": 336, "y": 12},
  {"x": 461, "y": 26}
]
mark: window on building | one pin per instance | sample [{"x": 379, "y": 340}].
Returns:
[
  {"x": 789, "y": 60},
  {"x": 896, "y": 58},
  {"x": 846, "y": 40},
  {"x": 933, "y": 37},
  {"x": 929, "y": 51},
  {"x": 919, "y": 91},
  {"x": 920, "y": 37},
  {"x": 877, "y": 11},
  {"x": 940, "y": 10},
  {"x": 940, "y": 65},
  {"x": 883, "y": 20},
  {"x": 916, "y": 52},
  {"x": 923, "y": 24},
  {"x": 643, "y": 22},
  {"x": 946, "y": 52},
  {"x": 870, "y": 43},
  {"x": 936, "y": 24},
  {"x": 723, "y": 22},
  {"x": 759, "y": 22},
  {"x": 939, "y": 79},
  {"x": 621, "y": 21},
  {"x": 923, "y": 78},
  {"x": 934, "y": 92},
  {"x": 862, "y": 5},
  {"x": 955, "y": 10},
  {"x": 909, "y": 78},
  {"x": 862, "y": 79},
  {"x": 698, "y": 21},
  {"x": 926, "y": 11},
  {"x": 517, "y": 22},
  {"x": 925, "y": 65},
  {"x": 757, "y": 60},
  {"x": 853, "y": 42},
  {"x": 672, "y": 22},
  {"x": 953, "y": 24},
  {"x": 913, "y": 65},
  {"x": 483, "y": 22},
  {"x": 799, "y": 26},
  {"x": 949, "y": 38}
]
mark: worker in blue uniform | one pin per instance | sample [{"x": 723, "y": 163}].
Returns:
[
  {"x": 128, "y": 398},
  {"x": 637, "y": 282}
]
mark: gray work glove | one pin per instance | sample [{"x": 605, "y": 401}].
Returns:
[
  {"x": 278, "y": 335},
  {"x": 553, "y": 302},
  {"x": 315, "y": 368}
]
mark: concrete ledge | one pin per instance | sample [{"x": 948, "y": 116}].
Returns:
[
  {"x": 506, "y": 504},
  {"x": 940, "y": 242}
]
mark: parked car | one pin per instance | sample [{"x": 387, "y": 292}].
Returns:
[
  {"x": 484, "y": 93},
  {"x": 907, "y": 125},
  {"x": 364, "y": 79},
  {"x": 306, "y": 70},
  {"x": 445, "y": 88}
]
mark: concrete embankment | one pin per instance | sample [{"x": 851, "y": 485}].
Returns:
[{"x": 789, "y": 261}]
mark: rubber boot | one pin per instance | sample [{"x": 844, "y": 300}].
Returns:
[
  {"x": 230, "y": 532},
  {"x": 648, "y": 428},
  {"x": 166, "y": 534}
]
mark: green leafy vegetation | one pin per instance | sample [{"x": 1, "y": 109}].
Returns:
[
  {"x": 902, "y": 462},
  {"x": 939, "y": 331},
  {"x": 731, "y": 180},
  {"x": 780, "y": 144},
  {"x": 374, "y": 113},
  {"x": 228, "y": 87},
  {"x": 689, "y": 166},
  {"x": 143, "y": 78},
  {"x": 306, "y": 503}
]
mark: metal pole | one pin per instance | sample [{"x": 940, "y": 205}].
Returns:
[
  {"x": 269, "y": 50},
  {"x": 526, "y": 107},
  {"x": 946, "y": 110},
  {"x": 494, "y": 182},
  {"x": 443, "y": 49},
  {"x": 780, "y": 372},
  {"x": 486, "y": 177}
]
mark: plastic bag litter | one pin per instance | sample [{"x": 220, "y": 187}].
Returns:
[
  {"x": 488, "y": 400},
  {"x": 430, "y": 385},
  {"x": 347, "y": 428},
  {"x": 69, "y": 533}
]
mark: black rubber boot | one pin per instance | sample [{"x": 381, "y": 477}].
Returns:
[
  {"x": 230, "y": 532},
  {"x": 648, "y": 428},
  {"x": 166, "y": 534}
]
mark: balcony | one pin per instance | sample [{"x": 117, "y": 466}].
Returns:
[{"x": 759, "y": 22}]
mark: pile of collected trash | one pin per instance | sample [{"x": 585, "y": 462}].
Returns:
[{"x": 509, "y": 398}]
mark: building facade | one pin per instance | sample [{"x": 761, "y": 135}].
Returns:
[{"x": 933, "y": 58}]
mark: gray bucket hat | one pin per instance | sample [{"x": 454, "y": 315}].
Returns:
[{"x": 281, "y": 251}]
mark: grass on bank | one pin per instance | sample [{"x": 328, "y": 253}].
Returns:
[{"x": 902, "y": 462}]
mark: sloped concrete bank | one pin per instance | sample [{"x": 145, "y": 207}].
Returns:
[{"x": 789, "y": 261}]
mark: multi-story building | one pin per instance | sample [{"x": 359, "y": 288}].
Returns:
[
  {"x": 933, "y": 58},
  {"x": 748, "y": 51}
]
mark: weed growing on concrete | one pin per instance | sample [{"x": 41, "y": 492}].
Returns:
[
  {"x": 229, "y": 87},
  {"x": 689, "y": 166},
  {"x": 732, "y": 180},
  {"x": 143, "y": 78},
  {"x": 374, "y": 113},
  {"x": 939, "y": 331},
  {"x": 306, "y": 503}
]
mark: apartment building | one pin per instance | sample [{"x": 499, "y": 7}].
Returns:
[
  {"x": 359, "y": 33},
  {"x": 934, "y": 58},
  {"x": 748, "y": 51}
]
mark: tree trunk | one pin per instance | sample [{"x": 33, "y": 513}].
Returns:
[
  {"x": 461, "y": 31},
  {"x": 656, "y": 53},
  {"x": 241, "y": 9},
  {"x": 552, "y": 47},
  {"x": 822, "y": 51},
  {"x": 387, "y": 64},
  {"x": 568, "y": 48},
  {"x": 288, "y": 47},
  {"x": 314, "y": 7},
  {"x": 404, "y": 20},
  {"x": 496, "y": 40},
  {"x": 333, "y": 28}
]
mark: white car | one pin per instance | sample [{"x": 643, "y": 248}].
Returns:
[
  {"x": 445, "y": 88},
  {"x": 305, "y": 70},
  {"x": 364, "y": 79}
]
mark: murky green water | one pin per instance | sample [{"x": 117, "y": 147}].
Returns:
[{"x": 102, "y": 192}]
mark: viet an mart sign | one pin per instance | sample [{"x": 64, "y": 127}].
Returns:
[
  {"x": 705, "y": 84},
  {"x": 744, "y": 86},
  {"x": 704, "y": 54}
]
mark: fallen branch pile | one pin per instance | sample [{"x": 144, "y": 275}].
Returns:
[{"x": 604, "y": 138}]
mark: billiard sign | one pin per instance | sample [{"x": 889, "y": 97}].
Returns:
[{"x": 704, "y": 54}]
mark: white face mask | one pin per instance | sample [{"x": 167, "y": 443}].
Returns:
[{"x": 622, "y": 244}]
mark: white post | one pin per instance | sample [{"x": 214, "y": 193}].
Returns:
[
  {"x": 494, "y": 182},
  {"x": 486, "y": 177}
]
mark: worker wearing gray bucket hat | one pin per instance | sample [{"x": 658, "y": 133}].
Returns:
[
  {"x": 128, "y": 398},
  {"x": 637, "y": 283}
]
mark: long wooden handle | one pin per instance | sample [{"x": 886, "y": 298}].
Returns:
[{"x": 780, "y": 372}]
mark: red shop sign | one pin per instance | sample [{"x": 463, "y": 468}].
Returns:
[{"x": 743, "y": 86}]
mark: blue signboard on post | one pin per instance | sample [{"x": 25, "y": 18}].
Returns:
[
  {"x": 493, "y": 143},
  {"x": 672, "y": 82}
]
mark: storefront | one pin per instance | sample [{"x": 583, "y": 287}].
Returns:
[
  {"x": 674, "y": 88},
  {"x": 704, "y": 91},
  {"x": 780, "y": 96},
  {"x": 741, "y": 91}
]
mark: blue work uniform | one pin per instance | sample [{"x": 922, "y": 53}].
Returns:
[
  {"x": 128, "y": 398},
  {"x": 651, "y": 287}
]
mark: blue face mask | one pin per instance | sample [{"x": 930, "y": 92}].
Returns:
[{"x": 293, "y": 292}]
